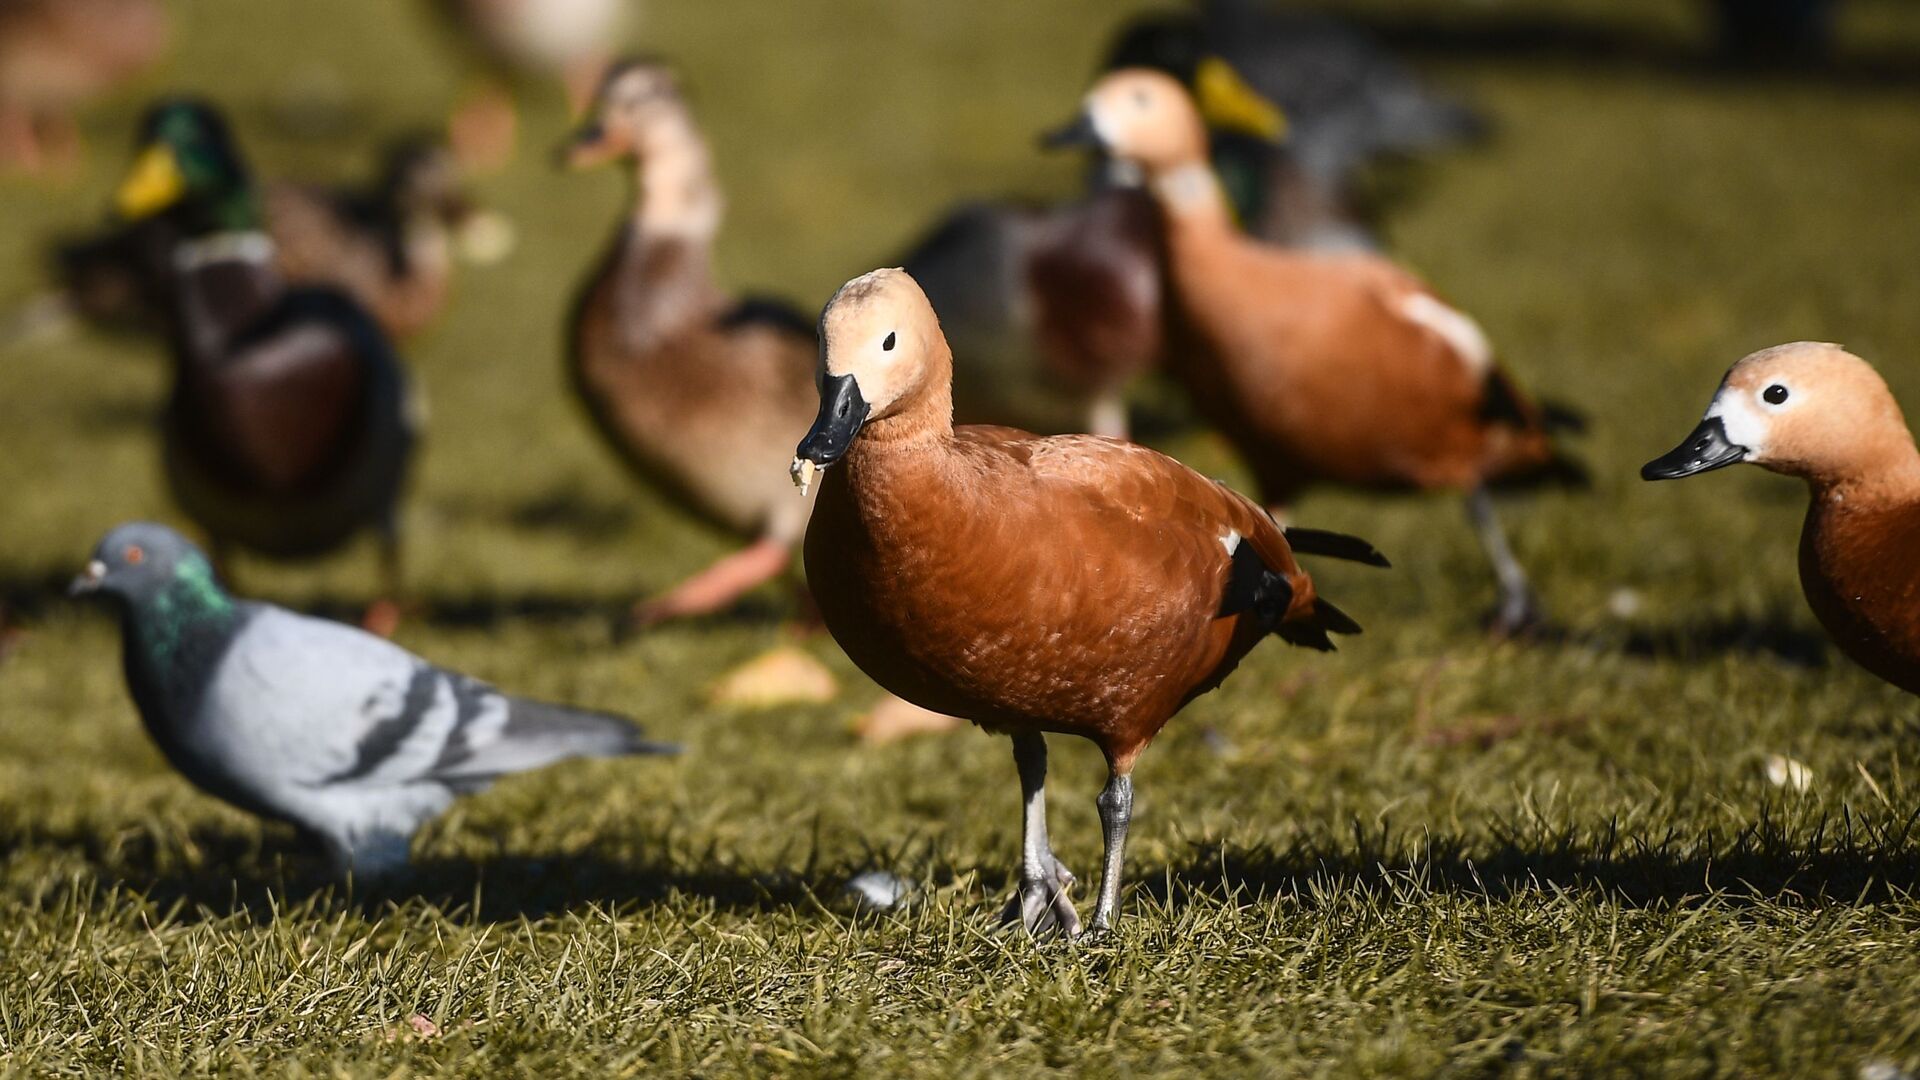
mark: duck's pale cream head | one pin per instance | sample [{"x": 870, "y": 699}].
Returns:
[
  {"x": 639, "y": 106},
  {"x": 1807, "y": 409},
  {"x": 1141, "y": 116},
  {"x": 881, "y": 352}
]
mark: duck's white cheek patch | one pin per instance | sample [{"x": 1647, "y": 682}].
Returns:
[
  {"x": 1745, "y": 425},
  {"x": 1231, "y": 541}
]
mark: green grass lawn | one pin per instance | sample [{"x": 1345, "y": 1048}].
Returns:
[{"x": 1425, "y": 854}]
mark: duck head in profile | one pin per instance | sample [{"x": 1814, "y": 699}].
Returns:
[
  {"x": 1806, "y": 409},
  {"x": 188, "y": 168},
  {"x": 882, "y": 358}
]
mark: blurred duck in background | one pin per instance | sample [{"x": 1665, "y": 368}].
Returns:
[
  {"x": 568, "y": 40},
  {"x": 288, "y": 429},
  {"x": 1321, "y": 367},
  {"x": 388, "y": 244},
  {"x": 701, "y": 394},
  {"x": 1053, "y": 311},
  {"x": 55, "y": 56},
  {"x": 1347, "y": 104}
]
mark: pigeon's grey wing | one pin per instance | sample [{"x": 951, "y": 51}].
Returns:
[
  {"x": 309, "y": 703},
  {"x": 317, "y": 708}
]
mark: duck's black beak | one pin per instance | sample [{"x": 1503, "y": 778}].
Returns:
[
  {"x": 842, "y": 412},
  {"x": 1079, "y": 132},
  {"x": 1708, "y": 448},
  {"x": 584, "y": 147}
]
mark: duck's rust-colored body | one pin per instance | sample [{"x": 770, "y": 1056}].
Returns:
[{"x": 1070, "y": 584}]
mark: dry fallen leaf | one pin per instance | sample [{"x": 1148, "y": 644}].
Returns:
[
  {"x": 896, "y": 718},
  {"x": 782, "y": 676}
]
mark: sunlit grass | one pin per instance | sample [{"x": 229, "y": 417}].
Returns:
[{"x": 1424, "y": 854}]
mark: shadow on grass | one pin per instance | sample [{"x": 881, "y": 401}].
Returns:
[
  {"x": 1563, "y": 41},
  {"x": 1849, "y": 860},
  {"x": 30, "y": 597},
  {"x": 1774, "y": 635},
  {"x": 266, "y": 875}
]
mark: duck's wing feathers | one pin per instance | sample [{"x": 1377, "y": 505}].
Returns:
[
  {"x": 293, "y": 390},
  {"x": 1216, "y": 529},
  {"x": 317, "y": 704}
]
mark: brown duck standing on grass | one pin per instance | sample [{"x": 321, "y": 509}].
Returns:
[
  {"x": 55, "y": 55},
  {"x": 388, "y": 244},
  {"x": 1073, "y": 584},
  {"x": 702, "y": 395},
  {"x": 1321, "y": 368},
  {"x": 288, "y": 430},
  {"x": 1817, "y": 412}
]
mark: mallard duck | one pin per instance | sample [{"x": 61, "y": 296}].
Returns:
[
  {"x": 55, "y": 55},
  {"x": 702, "y": 395},
  {"x": 288, "y": 428},
  {"x": 389, "y": 244},
  {"x": 567, "y": 39}
]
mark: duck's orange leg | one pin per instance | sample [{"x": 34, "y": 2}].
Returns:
[{"x": 719, "y": 585}]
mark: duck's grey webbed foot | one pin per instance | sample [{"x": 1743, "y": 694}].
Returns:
[
  {"x": 1044, "y": 900},
  {"x": 1044, "y": 905}
]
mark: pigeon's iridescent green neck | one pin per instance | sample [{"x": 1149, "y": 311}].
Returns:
[{"x": 192, "y": 599}]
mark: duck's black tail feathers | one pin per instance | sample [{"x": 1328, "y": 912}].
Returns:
[
  {"x": 1560, "y": 417},
  {"x": 1333, "y": 545}
]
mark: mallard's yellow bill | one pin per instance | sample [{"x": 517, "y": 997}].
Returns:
[
  {"x": 1229, "y": 104},
  {"x": 154, "y": 184}
]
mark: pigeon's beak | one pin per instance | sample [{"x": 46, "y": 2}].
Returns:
[
  {"x": 88, "y": 582},
  {"x": 842, "y": 412}
]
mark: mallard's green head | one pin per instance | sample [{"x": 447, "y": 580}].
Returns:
[{"x": 187, "y": 166}]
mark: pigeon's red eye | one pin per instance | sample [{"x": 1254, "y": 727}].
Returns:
[{"x": 135, "y": 556}]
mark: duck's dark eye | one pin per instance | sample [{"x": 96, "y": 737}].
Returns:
[
  {"x": 887, "y": 345},
  {"x": 1774, "y": 394}
]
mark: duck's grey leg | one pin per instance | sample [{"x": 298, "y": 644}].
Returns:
[
  {"x": 1042, "y": 902},
  {"x": 1519, "y": 608},
  {"x": 1116, "y": 812}
]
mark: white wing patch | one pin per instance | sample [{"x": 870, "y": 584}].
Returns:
[
  {"x": 1456, "y": 328},
  {"x": 1231, "y": 541}
]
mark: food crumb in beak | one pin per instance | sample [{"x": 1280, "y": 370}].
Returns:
[{"x": 802, "y": 472}]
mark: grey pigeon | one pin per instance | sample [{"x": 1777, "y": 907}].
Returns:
[{"x": 341, "y": 733}]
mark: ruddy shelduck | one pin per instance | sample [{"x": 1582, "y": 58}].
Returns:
[
  {"x": 1820, "y": 413},
  {"x": 1320, "y": 367},
  {"x": 1072, "y": 584}
]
